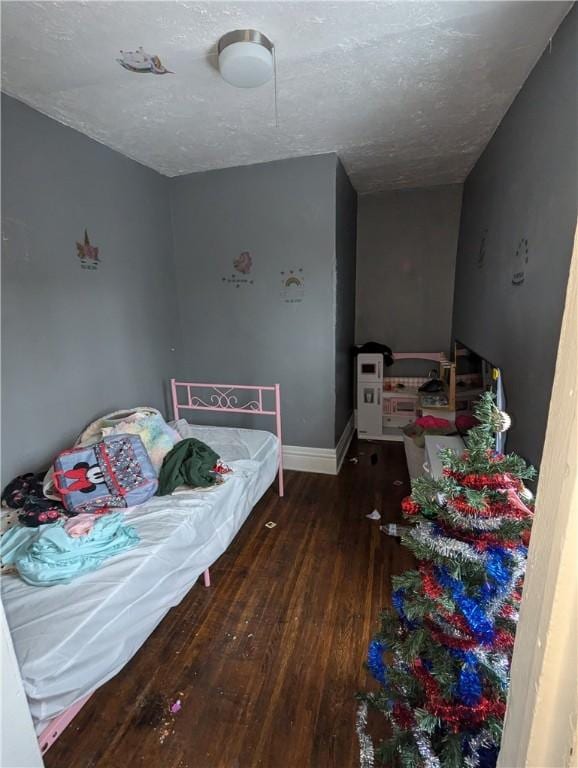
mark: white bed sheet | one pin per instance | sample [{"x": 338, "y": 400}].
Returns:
[{"x": 72, "y": 638}]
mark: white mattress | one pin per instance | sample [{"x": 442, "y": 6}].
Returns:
[{"x": 72, "y": 638}]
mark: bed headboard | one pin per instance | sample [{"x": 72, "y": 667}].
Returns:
[{"x": 231, "y": 398}]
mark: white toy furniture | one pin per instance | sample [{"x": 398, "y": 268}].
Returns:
[{"x": 385, "y": 404}]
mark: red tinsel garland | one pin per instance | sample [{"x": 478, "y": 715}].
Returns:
[
  {"x": 457, "y": 622},
  {"x": 503, "y": 640},
  {"x": 480, "y": 541},
  {"x": 497, "y": 481},
  {"x": 402, "y": 715},
  {"x": 455, "y": 715},
  {"x": 489, "y": 510},
  {"x": 430, "y": 585},
  {"x": 433, "y": 590},
  {"x": 457, "y": 643}
]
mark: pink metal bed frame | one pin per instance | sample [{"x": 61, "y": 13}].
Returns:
[
  {"x": 222, "y": 398},
  {"x": 215, "y": 397}
]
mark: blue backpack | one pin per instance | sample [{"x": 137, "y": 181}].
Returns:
[{"x": 114, "y": 472}]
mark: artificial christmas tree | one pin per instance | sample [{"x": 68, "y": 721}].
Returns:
[{"x": 442, "y": 657}]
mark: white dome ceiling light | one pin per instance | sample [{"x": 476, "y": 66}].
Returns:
[{"x": 246, "y": 58}]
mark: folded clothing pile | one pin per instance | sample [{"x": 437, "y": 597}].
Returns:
[
  {"x": 50, "y": 555},
  {"x": 427, "y": 425},
  {"x": 25, "y": 495},
  {"x": 192, "y": 463},
  {"x": 465, "y": 422},
  {"x": 375, "y": 347}
]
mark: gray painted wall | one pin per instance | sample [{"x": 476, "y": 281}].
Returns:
[
  {"x": 345, "y": 251},
  {"x": 77, "y": 343},
  {"x": 523, "y": 186},
  {"x": 406, "y": 251},
  {"x": 283, "y": 213}
]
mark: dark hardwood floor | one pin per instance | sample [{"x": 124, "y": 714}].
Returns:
[{"x": 267, "y": 661}]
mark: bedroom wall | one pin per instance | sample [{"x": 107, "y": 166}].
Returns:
[
  {"x": 523, "y": 188},
  {"x": 77, "y": 343},
  {"x": 345, "y": 260},
  {"x": 283, "y": 214},
  {"x": 406, "y": 252}
]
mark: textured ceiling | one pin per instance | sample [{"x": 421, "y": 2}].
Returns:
[{"x": 408, "y": 94}]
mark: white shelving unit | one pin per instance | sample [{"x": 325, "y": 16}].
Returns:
[{"x": 369, "y": 396}]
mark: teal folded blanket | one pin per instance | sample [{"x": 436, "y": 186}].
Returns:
[{"x": 47, "y": 555}]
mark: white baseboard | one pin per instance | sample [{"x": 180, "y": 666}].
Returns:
[
  {"x": 325, "y": 461},
  {"x": 301, "y": 459}
]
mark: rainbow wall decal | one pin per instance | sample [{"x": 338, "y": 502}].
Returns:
[{"x": 292, "y": 286}]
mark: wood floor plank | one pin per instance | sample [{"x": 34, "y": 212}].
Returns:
[{"x": 267, "y": 661}]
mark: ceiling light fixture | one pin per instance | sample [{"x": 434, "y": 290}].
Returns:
[{"x": 246, "y": 58}]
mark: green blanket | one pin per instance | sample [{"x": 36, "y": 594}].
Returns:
[{"x": 189, "y": 463}]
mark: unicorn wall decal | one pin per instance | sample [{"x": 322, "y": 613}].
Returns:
[{"x": 87, "y": 253}]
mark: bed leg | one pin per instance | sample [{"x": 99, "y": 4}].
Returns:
[
  {"x": 207, "y": 578},
  {"x": 55, "y": 727},
  {"x": 279, "y": 435}
]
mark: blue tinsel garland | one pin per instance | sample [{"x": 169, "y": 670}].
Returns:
[
  {"x": 472, "y": 611},
  {"x": 375, "y": 660},
  {"x": 499, "y": 568},
  {"x": 488, "y": 757},
  {"x": 469, "y": 688},
  {"x": 398, "y": 600}
]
